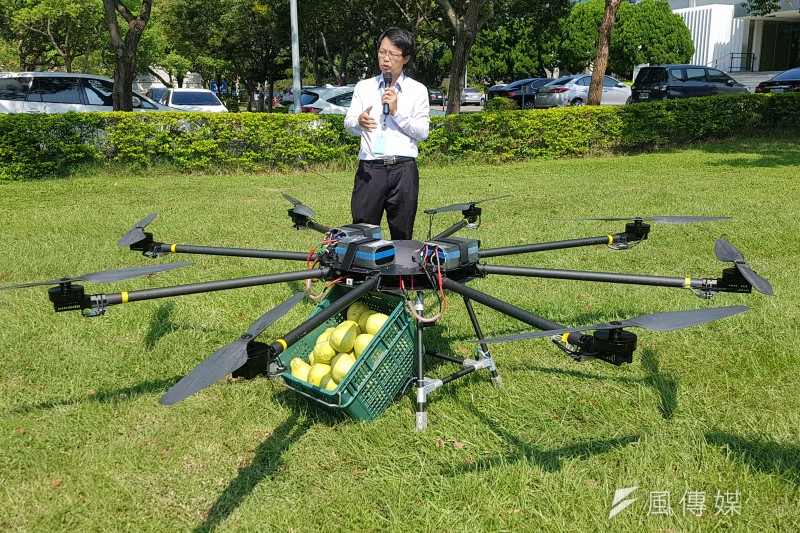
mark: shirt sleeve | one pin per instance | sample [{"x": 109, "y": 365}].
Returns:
[
  {"x": 356, "y": 108},
  {"x": 417, "y": 124}
]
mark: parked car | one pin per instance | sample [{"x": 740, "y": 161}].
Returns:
[
  {"x": 788, "y": 81},
  {"x": 490, "y": 93},
  {"x": 574, "y": 91},
  {"x": 326, "y": 100},
  {"x": 435, "y": 97},
  {"x": 521, "y": 91},
  {"x": 58, "y": 92},
  {"x": 181, "y": 99},
  {"x": 682, "y": 81},
  {"x": 155, "y": 93},
  {"x": 287, "y": 98},
  {"x": 470, "y": 96}
]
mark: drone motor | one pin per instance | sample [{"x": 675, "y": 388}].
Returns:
[
  {"x": 615, "y": 346},
  {"x": 66, "y": 297}
]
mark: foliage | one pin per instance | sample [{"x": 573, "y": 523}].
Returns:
[
  {"x": 578, "y": 44},
  {"x": 501, "y": 104},
  {"x": 38, "y": 146}
]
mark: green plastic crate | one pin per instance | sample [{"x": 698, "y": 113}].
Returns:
[{"x": 378, "y": 375}]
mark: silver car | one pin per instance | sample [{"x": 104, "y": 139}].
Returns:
[
  {"x": 326, "y": 100},
  {"x": 574, "y": 91},
  {"x": 470, "y": 96}
]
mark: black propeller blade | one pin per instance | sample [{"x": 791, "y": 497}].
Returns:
[
  {"x": 136, "y": 234},
  {"x": 728, "y": 253},
  {"x": 669, "y": 321},
  {"x": 663, "y": 220},
  {"x": 106, "y": 276},
  {"x": 462, "y": 207},
  {"x": 300, "y": 208},
  {"x": 226, "y": 359}
]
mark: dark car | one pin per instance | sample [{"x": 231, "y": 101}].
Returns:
[
  {"x": 784, "y": 82},
  {"x": 682, "y": 81},
  {"x": 155, "y": 93},
  {"x": 521, "y": 91},
  {"x": 435, "y": 97}
]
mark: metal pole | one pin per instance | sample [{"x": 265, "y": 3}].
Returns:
[{"x": 296, "y": 86}]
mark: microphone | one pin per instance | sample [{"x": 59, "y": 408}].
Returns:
[{"x": 387, "y": 81}]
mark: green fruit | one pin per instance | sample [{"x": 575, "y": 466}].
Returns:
[
  {"x": 299, "y": 368},
  {"x": 344, "y": 336},
  {"x": 317, "y": 372},
  {"x": 342, "y": 367},
  {"x": 355, "y": 310},
  {"x": 324, "y": 335},
  {"x": 323, "y": 352},
  {"x": 375, "y": 323},
  {"x": 362, "y": 341},
  {"x": 328, "y": 383},
  {"x": 362, "y": 320}
]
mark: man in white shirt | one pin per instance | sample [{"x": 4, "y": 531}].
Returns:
[{"x": 391, "y": 119}]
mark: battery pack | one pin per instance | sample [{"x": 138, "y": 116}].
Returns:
[
  {"x": 364, "y": 252},
  {"x": 452, "y": 252},
  {"x": 356, "y": 230}
]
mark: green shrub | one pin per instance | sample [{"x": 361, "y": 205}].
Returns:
[
  {"x": 39, "y": 146},
  {"x": 501, "y": 104}
]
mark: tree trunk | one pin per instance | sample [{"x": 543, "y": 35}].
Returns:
[
  {"x": 124, "y": 49},
  {"x": 603, "y": 46}
]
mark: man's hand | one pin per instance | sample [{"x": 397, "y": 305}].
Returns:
[
  {"x": 390, "y": 97},
  {"x": 366, "y": 121}
]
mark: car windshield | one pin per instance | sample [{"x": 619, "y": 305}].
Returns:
[
  {"x": 471, "y": 91},
  {"x": 651, "y": 75},
  {"x": 194, "y": 98},
  {"x": 563, "y": 81},
  {"x": 788, "y": 75}
]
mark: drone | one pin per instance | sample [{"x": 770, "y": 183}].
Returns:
[{"x": 356, "y": 258}]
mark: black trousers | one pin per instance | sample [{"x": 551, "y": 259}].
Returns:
[{"x": 393, "y": 188}]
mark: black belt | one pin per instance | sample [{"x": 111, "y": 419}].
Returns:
[{"x": 389, "y": 161}]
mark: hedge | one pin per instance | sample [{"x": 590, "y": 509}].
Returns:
[{"x": 39, "y": 145}]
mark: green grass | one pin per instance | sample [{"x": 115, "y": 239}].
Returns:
[{"x": 85, "y": 446}]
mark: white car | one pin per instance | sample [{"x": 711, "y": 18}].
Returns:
[
  {"x": 326, "y": 100},
  {"x": 573, "y": 90},
  {"x": 193, "y": 100},
  {"x": 59, "y": 92}
]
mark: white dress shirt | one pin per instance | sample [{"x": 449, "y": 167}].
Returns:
[{"x": 409, "y": 124}]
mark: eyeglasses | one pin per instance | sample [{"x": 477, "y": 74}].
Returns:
[{"x": 387, "y": 53}]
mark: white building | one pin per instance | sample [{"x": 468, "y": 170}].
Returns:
[{"x": 729, "y": 39}]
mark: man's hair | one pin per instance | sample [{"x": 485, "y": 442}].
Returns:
[{"x": 400, "y": 38}]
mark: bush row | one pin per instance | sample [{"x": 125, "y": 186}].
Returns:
[{"x": 38, "y": 146}]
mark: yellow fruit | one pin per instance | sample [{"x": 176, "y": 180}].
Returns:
[
  {"x": 362, "y": 341},
  {"x": 311, "y": 358},
  {"x": 328, "y": 382},
  {"x": 323, "y": 352},
  {"x": 299, "y": 368},
  {"x": 343, "y": 364},
  {"x": 355, "y": 310},
  {"x": 324, "y": 335},
  {"x": 344, "y": 336},
  {"x": 317, "y": 372},
  {"x": 375, "y": 322},
  {"x": 362, "y": 320}
]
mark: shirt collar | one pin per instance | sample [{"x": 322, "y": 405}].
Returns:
[{"x": 398, "y": 82}]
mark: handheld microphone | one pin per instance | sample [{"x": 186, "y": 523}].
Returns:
[{"x": 387, "y": 82}]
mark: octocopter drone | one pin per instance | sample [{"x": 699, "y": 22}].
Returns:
[{"x": 356, "y": 257}]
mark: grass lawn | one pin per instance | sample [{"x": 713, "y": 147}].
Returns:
[{"x": 705, "y": 421}]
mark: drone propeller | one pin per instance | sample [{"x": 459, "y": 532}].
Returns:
[
  {"x": 462, "y": 207},
  {"x": 106, "y": 276},
  {"x": 663, "y": 220},
  {"x": 728, "y": 253},
  {"x": 226, "y": 359},
  {"x": 669, "y": 321},
  {"x": 300, "y": 208},
  {"x": 136, "y": 233}
]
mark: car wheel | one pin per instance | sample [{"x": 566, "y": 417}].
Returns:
[
  {"x": 528, "y": 105},
  {"x": 576, "y": 102},
  {"x": 483, "y": 102},
  {"x": 629, "y": 100}
]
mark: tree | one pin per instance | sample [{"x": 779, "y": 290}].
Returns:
[
  {"x": 124, "y": 48},
  {"x": 603, "y": 46},
  {"x": 578, "y": 45}
]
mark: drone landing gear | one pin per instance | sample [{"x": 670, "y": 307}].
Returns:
[{"x": 426, "y": 386}]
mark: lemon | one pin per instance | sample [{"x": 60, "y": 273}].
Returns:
[
  {"x": 344, "y": 336},
  {"x": 362, "y": 341},
  {"x": 317, "y": 372},
  {"x": 299, "y": 368},
  {"x": 342, "y": 367},
  {"x": 375, "y": 322},
  {"x": 362, "y": 320},
  {"x": 324, "y": 335},
  {"x": 311, "y": 358},
  {"x": 328, "y": 383},
  {"x": 323, "y": 352},
  {"x": 355, "y": 310}
]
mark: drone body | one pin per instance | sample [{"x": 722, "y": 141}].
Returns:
[{"x": 358, "y": 259}]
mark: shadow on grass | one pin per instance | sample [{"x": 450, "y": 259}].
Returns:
[
  {"x": 104, "y": 396},
  {"x": 768, "y": 152},
  {"x": 664, "y": 384},
  {"x": 266, "y": 464},
  {"x": 767, "y": 456},
  {"x": 547, "y": 460}
]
